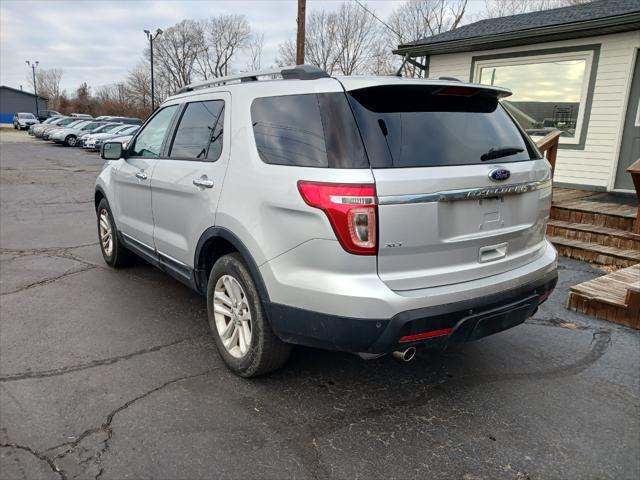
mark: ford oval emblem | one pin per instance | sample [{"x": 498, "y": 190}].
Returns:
[{"x": 499, "y": 174}]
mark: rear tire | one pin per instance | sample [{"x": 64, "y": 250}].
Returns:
[
  {"x": 115, "y": 254},
  {"x": 246, "y": 343},
  {"x": 70, "y": 141}
]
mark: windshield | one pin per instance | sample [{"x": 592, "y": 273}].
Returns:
[
  {"x": 66, "y": 122},
  {"x": 91, "y": 126},
  {"x": 106, "y": 128},
  {"x": 129, "y": 130},
  {"x": 428, "y": 126},
  {"x": 26, "y": 115}
]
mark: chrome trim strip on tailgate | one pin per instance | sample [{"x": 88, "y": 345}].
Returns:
[{"x": 466, "y": 194}]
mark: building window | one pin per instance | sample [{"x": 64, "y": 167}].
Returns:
[{"x": 549, "y": 91}]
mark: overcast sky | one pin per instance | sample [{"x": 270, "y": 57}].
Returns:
[{"x": 99, "y": 41}]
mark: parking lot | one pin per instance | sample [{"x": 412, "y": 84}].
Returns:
[{"x": 113, "y": 374}]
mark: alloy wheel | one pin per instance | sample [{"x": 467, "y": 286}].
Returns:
[
  {"x": 232, "y": 316},
  {"x": 106, "y": 233}
]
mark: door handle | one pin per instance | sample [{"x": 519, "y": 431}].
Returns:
[
  {"x": 203, "y": 182},
  {"x": 141, "y": 175}
]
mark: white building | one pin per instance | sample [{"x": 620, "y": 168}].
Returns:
[{"x": 575, "y": 69}]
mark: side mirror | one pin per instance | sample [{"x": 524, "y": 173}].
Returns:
[{"x": 111, "y": 151}]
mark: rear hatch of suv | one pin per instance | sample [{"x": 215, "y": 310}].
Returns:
[{"x": 463, "y": 193}]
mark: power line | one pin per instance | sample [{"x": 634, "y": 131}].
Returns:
[{"x": 377, "y": 18}]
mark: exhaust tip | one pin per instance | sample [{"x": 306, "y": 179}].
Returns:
[{"x": 405, "y": 355}]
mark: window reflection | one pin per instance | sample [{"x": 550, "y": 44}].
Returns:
[{"x": 547, "y": 95}]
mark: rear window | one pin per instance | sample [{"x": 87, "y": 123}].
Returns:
[
  {"x": 310, "y": 130},
  {"x": 429, "y": 126}
]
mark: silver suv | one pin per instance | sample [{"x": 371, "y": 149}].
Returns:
[{"x": 364, "y": 214}]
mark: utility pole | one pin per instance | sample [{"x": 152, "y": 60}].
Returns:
[
  {"x": 151, "y": 38},
  {"x": 302, "y": 6},
  {"x": 33, "y": 66}
]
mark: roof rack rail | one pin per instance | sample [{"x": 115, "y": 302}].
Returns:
[{"x": 293, "y": 72}]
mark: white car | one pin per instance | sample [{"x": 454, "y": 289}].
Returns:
[
  {"x": 127, "y": 131},
  {"x": 124, "y": 140},
  {"x": 90, "y": 140}
]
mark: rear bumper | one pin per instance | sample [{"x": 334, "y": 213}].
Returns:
[{"x": 433, "y": 327}]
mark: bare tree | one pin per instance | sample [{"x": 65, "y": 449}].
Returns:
[
  {"x": 355, "y": 33},
  {"x": 175, "y": 53},
  {"x": 48, "y": 83},
  {"x": 418, "y": 19},
  {"x": 254, "y": 47},
  {"x": 321, "y": 42},
  {"x": 220, "y": 40},
  {"x": 138, "y": 84},
  {"x": 337, "y": 42},
  {"x": 503, "y": 8}
]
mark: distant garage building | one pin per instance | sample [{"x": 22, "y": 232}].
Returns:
[{"x": 13, "y": 101}]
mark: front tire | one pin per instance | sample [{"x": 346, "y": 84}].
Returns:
[
  {"x": 115, "y": 254},
  {"x": 70, "y": 141},
  {"x": 242, "y": 333}
]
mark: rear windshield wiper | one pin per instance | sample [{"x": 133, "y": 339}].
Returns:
[{"x": 500, "y": 152}]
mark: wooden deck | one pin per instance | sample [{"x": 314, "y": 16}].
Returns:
[{"x": 614, "y": 297}]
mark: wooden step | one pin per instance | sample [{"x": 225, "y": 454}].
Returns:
[
  {"x": 614, "y": 297},
  {"x": 594, "y": 253},
  {"x": 609, "y": 237},
  {"x": 602, "y": 214}
]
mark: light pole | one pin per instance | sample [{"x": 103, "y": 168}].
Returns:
[
  {"x": 151, "y": 38},
  {"x": 33, "y": 66}
]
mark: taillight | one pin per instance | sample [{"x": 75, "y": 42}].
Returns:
[
  {"x": 351, "y": 209},
  {"x": 457, "y": 91}
]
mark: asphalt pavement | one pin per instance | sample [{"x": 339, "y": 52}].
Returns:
[{"x": 113, "y": 374}]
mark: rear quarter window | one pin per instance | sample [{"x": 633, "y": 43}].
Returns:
[{"x": 309, "y": 130}]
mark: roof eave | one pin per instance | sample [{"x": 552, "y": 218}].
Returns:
[{"x": 587, "y": 28}]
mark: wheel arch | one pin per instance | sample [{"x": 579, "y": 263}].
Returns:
[
  {"x": 216, "y": 242},
  {"x": 98, "y": 195}
]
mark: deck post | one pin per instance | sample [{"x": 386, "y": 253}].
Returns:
[
  {"x": 549, "y": 145},
  {"x": 634, "y": 171}
]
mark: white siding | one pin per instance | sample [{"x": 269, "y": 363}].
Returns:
[{"x": 596, "y": 164}]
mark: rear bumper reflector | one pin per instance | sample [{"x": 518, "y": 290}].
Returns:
[{"x": 422, "y": 336}]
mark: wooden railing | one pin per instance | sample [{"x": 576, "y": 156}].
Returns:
[{"x": 548, "y": 145}]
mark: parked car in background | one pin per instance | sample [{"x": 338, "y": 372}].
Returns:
[
  {"x": 69, "y": 135},
  {"x": 45, "y": 114},
  {"x": 94, "y": 142},
  {"x": 48, "y": 121},
  {"x": 80, "y": 115},
  {"x": 124, "y": 140},
  {"x": 57, "y": 123},
  {"x": 104, "y": 128},
  {"x": 127, "y": 120},
  {"x": 75, "y": 123},
  {"x": 22, "y": 121}
]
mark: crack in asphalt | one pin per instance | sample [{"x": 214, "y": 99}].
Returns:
[
  {"x": 38, "y": 455},
  {"x": 94, "y": 363},
  {"x": 70, "y": 272},
  {"x": 23, "y": 252},
  {"x": 107, "y": 429}
]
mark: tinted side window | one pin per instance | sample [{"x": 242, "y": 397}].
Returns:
[
  {"x": 288, "y": 130},
  {"x": 149, "y": 142},
  {"x": 312, "y": 130},
  {"x": 199, "y": 133}
]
